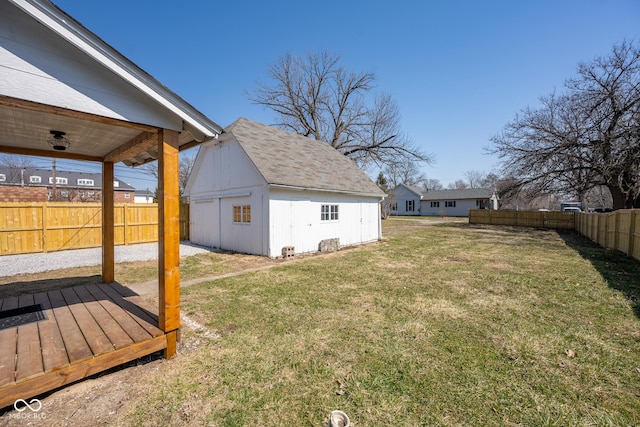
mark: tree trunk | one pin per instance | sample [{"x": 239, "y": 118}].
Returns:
[{"x": 619, "y": 199}]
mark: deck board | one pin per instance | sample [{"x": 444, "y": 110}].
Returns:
[
  {"x": 140, "y": 315},
  {"x": 88, "y": 329},
  {"x": 74, "y": 342},
  {"x": 120, "y": 315},
  {"x": 8, "y": 342},
  {"x": 92, "y": 332},
  {"x": 28, "y": 356},
  {"x": 54, "y": 354},
  {"x": 146, "y": 311},
  {"x": 116, "y": 334}
]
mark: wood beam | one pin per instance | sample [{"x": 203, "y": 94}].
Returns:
[
  {"x": 48, "y": 153},
  {"x": 108, "y": 224},
  {"x": 141, "y": 143},
  {"x": 50, "y": 109},
  {"x": 169, "y": 238}
]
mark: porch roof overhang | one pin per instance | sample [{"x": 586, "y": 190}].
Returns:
[{"x": 25, "y": 123}]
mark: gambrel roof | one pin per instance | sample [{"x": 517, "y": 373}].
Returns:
[{"x": 291, "y": 160}]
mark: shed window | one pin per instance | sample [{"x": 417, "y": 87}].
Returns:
[
  {"x": 435, "y": 204},
  {"x": 242, "y": 214},
  {"x": 450, "y": 204},
  {"x": 329, "y": 213},
  {"x": 88, "y": 182},
  {"x": 35, "y": 179},
  {"x": 3, "y": 177}
]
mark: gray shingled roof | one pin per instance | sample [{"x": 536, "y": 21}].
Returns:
[
  {"x": 467, "y": 193},
  {"x": 287, "y": 159}
]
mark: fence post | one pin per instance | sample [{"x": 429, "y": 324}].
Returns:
[
  {"x": 44, "y": 227},
  {"x": 616, "y": 232},
  {"x": 125, "y": 214},
  {"x": 632, "y": 232}
]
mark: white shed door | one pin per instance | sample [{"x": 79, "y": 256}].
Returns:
[
  {"x": 368, "y": 222},
  {"x": 205, "y": 223},
  {"x": 302, "y": 226}
]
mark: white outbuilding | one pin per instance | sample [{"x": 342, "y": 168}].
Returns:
[{"x": 265, "y": 191}]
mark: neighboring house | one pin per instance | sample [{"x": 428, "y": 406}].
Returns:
[
  {"x": 144, "y": 196},
  {"x": 259, "y": 189},
  {"x": 411, "y": 200},
  {"x": 36, "y": 185}
]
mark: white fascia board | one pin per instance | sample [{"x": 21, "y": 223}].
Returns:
[
  {"x": 323, "y": 190},
  {"x": 71, "y": 30}
]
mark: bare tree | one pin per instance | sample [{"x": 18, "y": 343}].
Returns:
[
  {"x": 15, "y": 164},
  {"x": 316, "y": 97},
  {"x": 186, "y": 161},
  {"x": 432, "y": 184},
  {"x": 403, "y": 172},
  {"x": 475, "y": 178},
  {"x": 584, "y": 138},
  {"x": 458, "y": 185}
]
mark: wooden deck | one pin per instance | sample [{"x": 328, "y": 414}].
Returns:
[{"x": 88, "y": 329}]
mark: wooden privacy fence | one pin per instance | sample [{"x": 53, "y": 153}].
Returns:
[
  {"x": 46, "y": 227},
  {"x": 618, "y": 230},
  {"x": 542, "y": 219}
]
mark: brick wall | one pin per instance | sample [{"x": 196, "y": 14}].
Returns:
[{"x": 15, "y": 193}]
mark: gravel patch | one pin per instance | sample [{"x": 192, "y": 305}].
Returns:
[{"x": 10, "y": 265}]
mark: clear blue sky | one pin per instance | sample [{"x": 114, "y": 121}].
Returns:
[{"x": 459, "y": 70}]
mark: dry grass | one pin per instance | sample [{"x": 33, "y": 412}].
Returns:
[{"x": 438, "y": 325}]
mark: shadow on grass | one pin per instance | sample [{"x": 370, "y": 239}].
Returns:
[{"x": 618, "y": 270}]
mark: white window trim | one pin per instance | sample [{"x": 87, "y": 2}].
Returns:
[
  {"x": 332, "y": 213},
  {"x": 59, "y": 180}
]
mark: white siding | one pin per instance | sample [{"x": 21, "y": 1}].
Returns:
[
  {"x": 224, "y": 177},
  {"x": 404, "y": 195},
  {"x": 295, "y": 220},
  {"x": 461, "y": 209},
  {"x": 222, "y": 167},
  {"x": 40, "y": 66},
  {"x": 205, "y": 222}
]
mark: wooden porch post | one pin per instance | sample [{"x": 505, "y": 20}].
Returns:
[
  {"x": 108, "y": 242},
  {"x": 168, "y": 238}
]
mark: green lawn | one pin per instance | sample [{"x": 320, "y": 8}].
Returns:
[{"x": 438, "y": 325}]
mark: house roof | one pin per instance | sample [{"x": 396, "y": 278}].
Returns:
[
  {"x": 291, "y": 160},
  {"x": 461, "y": 194},
  {"x": 112, "y": 136},
  {"x": 455, "y": 194},
  {"x": 15, "y": 176}
]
